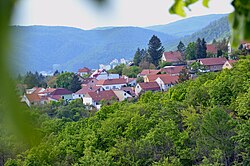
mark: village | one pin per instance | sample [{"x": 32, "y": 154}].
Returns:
[{"x": 101, "y": 85}]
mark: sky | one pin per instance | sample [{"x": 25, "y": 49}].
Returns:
[{"x": 85, "y": 14}]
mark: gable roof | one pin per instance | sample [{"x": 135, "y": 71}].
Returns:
[
  {"x": 173, "y": 56},
  {"x": 84, "y": 70},
  {"x": 47, "y": 90},
  {"x": 149, "y": 86},
  {"x": 172, "y": 69},
  {"x": 211, "y": 48},
  {"x": 34, "y": 97},
  {"x": 61, "y": 91},
  {"x": 86, "y": 89},
  {"x": 167, "y": 79},
  {"x": 102, "y": 95},
  {"x": 88, "y": 80},
  {"x": 152, "y": 78},
  {"x": 213, "y": 61},
  {"x": 145, "y": 72},
  {"x": 112, "y": 81}
]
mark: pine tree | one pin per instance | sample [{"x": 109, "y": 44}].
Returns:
[
  {"x": 137, "y": 57},
  {"x": 155, "y": 50},
  {"x": 204, "y": 48},
  {"x": 75, "y": 84}
]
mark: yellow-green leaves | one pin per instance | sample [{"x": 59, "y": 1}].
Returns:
[
  {"x": 178, "y": 8},
  {"x": 205, "y": 3}
]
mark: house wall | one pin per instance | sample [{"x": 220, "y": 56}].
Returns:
[
  {"x": 227, "y": 65},
  {"x": 215, "y": 67},
  {"x": 77, "y": 96},
  {"x": 115, "y": 86},
  {"x": 82, "y": 73},
  {"x": 67, "y": 97},
  {"x": 105, "y": 76},
  {"x": 137, "y": 90},
  {"x": 88, "y": 101},
  {"x": 163, "y": 86}
]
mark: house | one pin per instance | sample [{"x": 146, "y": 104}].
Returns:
[
  {"x": 172, "y": 70},
  {"x": 46, "y": 92},
  {"x": 129, "y": 90},
  {"x": 146, "y": 72},
  {"x": 112, "y": 83},
  {"x": 166, "y": 81},
  {"x": 89, "y": 82},
  {"x": 84, "y": 90},
  {"x": 211, "y": 48},
  {"x": 34, "y": 99},
  {"x": 83, "y": 71},
  {"x": 60, "y": 93},
  {"x": 130, "y": 81},
  {"x": 213, "y": 64},
  {"x": 146, "y": 86},
  {"x": 95, "y": 98},
  {"x": 122, "y": 95},
  {"x": 229, "y": 64},
  {"x": 102, "y": 74},
  {"x": 173, "y": 57},
  {"x": 34, "y": 90}
]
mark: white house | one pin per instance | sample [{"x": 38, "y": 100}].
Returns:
[
  {"x": 102, "y": 74},
  {"x": 165, "y": 82},
  {"x": 83, "y": 71},
  {"x": 146, "y": 86},
  {"x": 122, "y": 95},
  {"x": 112, "y": 83},
  {"x": 86, "y": 89},
  {"x": 95, "y": 98}
]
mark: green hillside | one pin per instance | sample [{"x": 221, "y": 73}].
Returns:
[{"x": 199, "y": 122}]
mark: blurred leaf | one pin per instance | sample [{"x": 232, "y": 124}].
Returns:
[
  {"x": 205, "y": 3},
  {"x": 178, "y": 8}
]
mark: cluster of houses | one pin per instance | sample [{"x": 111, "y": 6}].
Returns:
[{"x": 103, "y": 86}]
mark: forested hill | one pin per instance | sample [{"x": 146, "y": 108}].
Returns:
[
  {"x": 204, "y": 122},
  {"x": 187, "y": 26},
  {"x": 218, "y": 30},
  {"x": 39, "y": 48}
]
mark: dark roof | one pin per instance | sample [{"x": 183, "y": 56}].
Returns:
[
  {"x": 213, "y": 61},
  {"x": 172, "y": 69},
  {"x": 112, "y": 81},
  {"x": 61, "y": 91},
  {"x": 103, "y": 95},
  {"x": 88, "y": 80},
  {"x": 149, "y": 86},
  {"x": 152, "y": 78},
  {"x": 149, "y": 72},
  {"x": 172, "y": 56}
]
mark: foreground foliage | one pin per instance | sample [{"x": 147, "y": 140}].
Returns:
[{"x": 200, "y": 122}]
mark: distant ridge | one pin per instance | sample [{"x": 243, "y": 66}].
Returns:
[{"x": 187, "y": 26}]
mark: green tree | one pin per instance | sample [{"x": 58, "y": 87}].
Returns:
[
  {"x": 155, "y": 50},
  {"x": 138, "y": 56},
  {"x": 69, "y": 81},
  {"x": 191, "y": 51},
  {"x": 204, "y": 48},
  {"x": 181, "y": 48}
]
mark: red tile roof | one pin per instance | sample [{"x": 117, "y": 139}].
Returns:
[
  {"x": 34, "y": 97},
  {"x": 149, "y": 86},
  {"x": 169, "y": 79},
  {"x": 86, "y": 89},
  {"x": 103, "y": 95},
  {"x": 213, "y": 61},
  {"x": 152, "y": 78},
  {"x": 88, "y": 80},
  {"x": 61, "y": 91},
  {"x": 149, "y": 72},
  {"x": 172, "y": 56},
  {"x": 84, "y": 70},
  {"x": 211, "y": 48},
  {"x": 112, "y": 81},
  {"x": 48, "y": 90},
  {"x": 172, "y": 69}
]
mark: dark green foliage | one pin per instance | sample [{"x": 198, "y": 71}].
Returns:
[
  {"x": 155, "y": 50},
  {"x": 33, "y": 79},
  {"x": 201, "y": 48},
  {"x": 190, "y": 52},
  {"x": 181, "y": 48},
  {"x": 69, "y": 81},
  {"x": 139, "y": 55}
]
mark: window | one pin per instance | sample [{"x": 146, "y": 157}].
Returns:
[{"x": 79, "y": 95}]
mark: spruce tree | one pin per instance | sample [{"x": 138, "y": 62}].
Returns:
[
  {"x": 198, "y": 49},
  {"x": 137, "y": 57},
  {"x": 155, "y": 50},
  {"x": 204, "y": 48}
]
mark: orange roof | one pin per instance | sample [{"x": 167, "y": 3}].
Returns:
[
  {"x": 34, "y": 97},
  {"x": 213, "y": 61},
  {"x": 211, "y": 48},
  {"x": 173, "y": 56},
  {"x": 112, "y": 81},
  {"x": 149, "y": 86}
]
